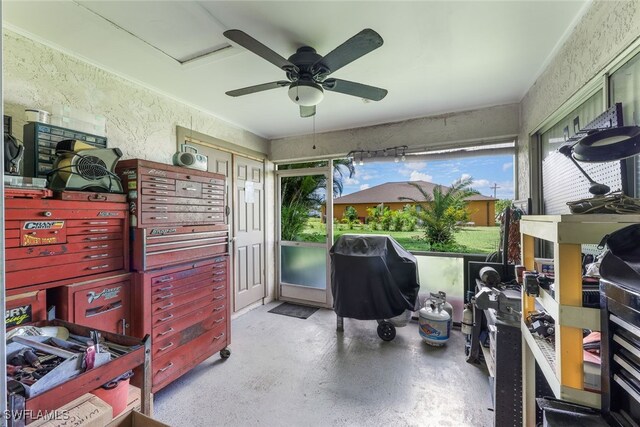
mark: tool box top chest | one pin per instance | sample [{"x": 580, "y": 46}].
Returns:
[
  {"x": 162, "y": 194},
  {"x": 51, "y": 240}
]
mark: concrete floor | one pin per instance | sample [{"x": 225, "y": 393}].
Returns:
[{"x": 285, "y": 371}]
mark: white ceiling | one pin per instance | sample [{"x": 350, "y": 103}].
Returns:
[{"x": 438, "y": 56}]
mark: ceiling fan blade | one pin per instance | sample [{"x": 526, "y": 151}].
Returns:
[
  {"x": 248, "y": 42},
  {"x": 307, "y": 111},
  {"x": 355, "y": 89},
  {"x": 362, "y": 43},
  {"x": 258, "y": 88}
]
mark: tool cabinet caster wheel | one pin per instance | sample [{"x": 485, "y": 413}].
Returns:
[
  {"x": 225, "y": 353},
  {"x": 386, "y": 331}
]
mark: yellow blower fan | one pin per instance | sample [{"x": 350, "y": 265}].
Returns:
[{"x": 83, "y": 167}]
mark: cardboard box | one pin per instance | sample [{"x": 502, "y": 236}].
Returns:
[
  {"x": 86, "y": 411},
  {"x": 135, "y": 419}
]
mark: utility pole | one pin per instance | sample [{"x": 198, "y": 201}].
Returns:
[{"x": 494, "y": 188}]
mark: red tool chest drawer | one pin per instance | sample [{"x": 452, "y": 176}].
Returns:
[
  {"x": 51, "y": 240},
  {"x": 25, "y": 309},
  {"x": 159, "y": 247},
  {"x": 186, "y": 311},
  {"x": 103, "y": 303},
  {"x": 161, "y": 194}
]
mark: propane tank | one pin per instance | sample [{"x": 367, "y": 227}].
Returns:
[
  {"x": 445, "y": 304},
  {"x": 467, "y": 320},
  {"x": 434, "y": 323}
]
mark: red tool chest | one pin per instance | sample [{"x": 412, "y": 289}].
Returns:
[
  {"x": 51, "y": 240},
  {"x": 103, "y": 303},
  {"x": 159, "y": 247},
  {"x": 25, "y": 309},
  {"x": 186, "y": 311},
  {"x": 161, "y": 195}
]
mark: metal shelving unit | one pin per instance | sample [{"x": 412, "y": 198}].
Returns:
[{"x": 561, "y": 362}]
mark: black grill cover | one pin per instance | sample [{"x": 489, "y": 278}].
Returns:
[{"x": 372, "y": 277}]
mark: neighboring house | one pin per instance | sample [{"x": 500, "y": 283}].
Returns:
[{"x": 481, "y": 208}]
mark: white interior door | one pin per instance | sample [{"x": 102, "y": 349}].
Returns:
[{"x": 248, "y": 220}]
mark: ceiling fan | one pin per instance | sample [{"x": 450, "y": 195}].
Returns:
[{"x": 307, "y": 71}]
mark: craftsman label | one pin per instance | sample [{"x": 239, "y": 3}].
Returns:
[
  {"x": 162, "y": 231},
  {"x": 108, "y": 293},
  {"x": 103, "y": 213},
  {"x": 18, "y": 315},
  {"x": 43, "y": 225}
]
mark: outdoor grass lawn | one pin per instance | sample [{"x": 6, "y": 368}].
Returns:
[{"x": 474, "y": 239}]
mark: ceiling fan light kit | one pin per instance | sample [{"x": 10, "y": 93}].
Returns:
[
  {"x": 306, "y": 94},
  {"x": 307, "y": 71}
]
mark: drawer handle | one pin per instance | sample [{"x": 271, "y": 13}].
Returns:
[
  {"x": 166, "y": 288},
  {"x": 164, "y": 307},
  {"x": 218, "y": 337},
  {"x": 47, "y": 213},
  {"x": 165, "y": 279},
  {"x": 160, "y": 192},
  {"x": 189, "y": 188},
  {"x": 219, "y": 298},
  {"x": 158, "y": 199},
  {"x": 219, "y": 279},
  {"x": 215, "y": 310},
  {"x": 165, "y": 296},
  {"x": 219, "y": 273},
  {"x": 159, "y": 186},
  {"x": 159, "y": 217},
  {"x": 98, "y": 267},
  {"x": 166, "y": 332},
  {"x": 93, "y": 239},
  {"x": 166, "y": 367},
  {"x": 219, "y": 320},
  {"x": 98, "y": 247},
  {"x": 164, "y": 319},
  {"x": 97, "y": 223},
  {"x": 98, "y": 230},
  {"x": 98, "y": 256},
  {"x": 157, "y": 179},
  {"x": 166, "y": 347},
  {"x": 219, "y": 287},
  {"x": 159, "y": 207}
]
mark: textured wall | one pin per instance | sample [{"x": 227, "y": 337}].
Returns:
[
  {"x": 427, "y": 132},
  {"x": 605, "y": 30},
  {"x": 140, "y": 122}
]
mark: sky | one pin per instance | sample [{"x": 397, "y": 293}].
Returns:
[{"x": 485, "y": 171}]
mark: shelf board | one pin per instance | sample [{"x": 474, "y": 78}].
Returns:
[
  {"x": 545, "y": 355},
  {"x": 567, "y": 315},
  {"x": 574, "y": 229}
]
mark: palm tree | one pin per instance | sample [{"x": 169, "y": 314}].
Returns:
[
  {"x": 301, "y": 194},
  {"x": 442, "y": 211}
]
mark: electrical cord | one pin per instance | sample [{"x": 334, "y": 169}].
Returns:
[{"x": 614, "y": 202}]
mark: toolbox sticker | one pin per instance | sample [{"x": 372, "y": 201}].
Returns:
[
  {"x": 43, "y": 225},
  {"x": 132, "y": 185},
  {"x": 103, "y": 213},
  {"x": 108, "y": 293},
  {"x": 157, "y": 172},
  {"x": 18, "y": 315},
  {"x": 162, "y": 231}
]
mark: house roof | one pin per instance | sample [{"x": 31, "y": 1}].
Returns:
[{"x": 391, "y": 192}]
